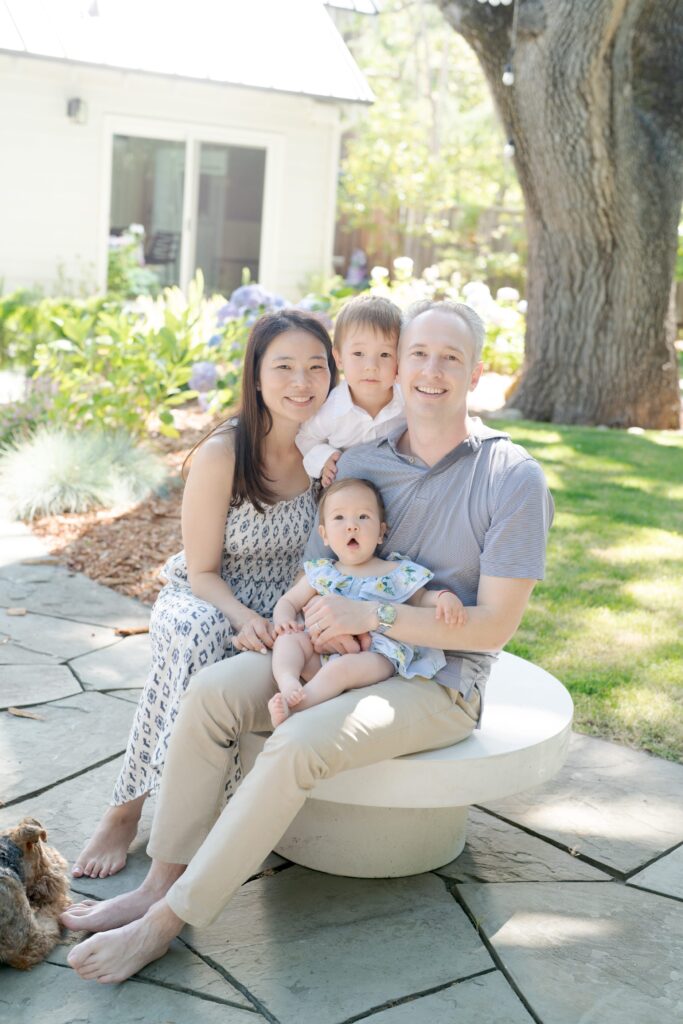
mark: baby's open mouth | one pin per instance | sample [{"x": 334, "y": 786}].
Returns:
[{"x": 353, "y": 543}]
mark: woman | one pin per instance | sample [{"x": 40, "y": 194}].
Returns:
[{"x": 248, "y": 508}]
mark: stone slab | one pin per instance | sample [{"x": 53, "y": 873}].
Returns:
[
  {"x": 498, "y": 852},
  {"x": 70, "y": 812},
  {"x": 17, "y": 542},
  {"x": 55, "y": 590},
  {"x": 487, "y": 999},
  {"x": 48, "y": 635},
  {"x": 120, "y": 666},
  {"x": 74, "y": 734},
  {"x": 665, "y": 875},
  {"x": 617, "y": 806},
  {"x": 319, "y": 948},
  {"x": 132, "y": 696},
  {"x": 56, "y": 995},
  {"x": 15, "y": 654},
  {"x": 594, "y": 952},
  {"x": 21, "y": 685},
  {"x": 180, "y": 968}
]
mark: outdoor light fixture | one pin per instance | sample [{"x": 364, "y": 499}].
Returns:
[
  {"x": 509, "y": 149},
  {"x": 508, "y": 75},
  {"x": 77, "y": 110}
]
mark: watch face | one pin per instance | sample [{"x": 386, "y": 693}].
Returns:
[{"x": 386, "y": 613}]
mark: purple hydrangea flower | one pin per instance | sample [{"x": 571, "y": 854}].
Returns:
[
  {"x": 204, "y": 377},
  {"x": 227, "y": 312},
  {"x": 214, "y": 341},
  {"x": 250, "y": 296}
]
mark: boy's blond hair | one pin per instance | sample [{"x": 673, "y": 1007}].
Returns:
[{"x": 372, "y": 311}]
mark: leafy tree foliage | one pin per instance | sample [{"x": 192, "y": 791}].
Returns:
[{"x": 423, "y": 172}]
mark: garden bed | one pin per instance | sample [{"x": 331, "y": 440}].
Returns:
[{"x": 125, "y": 548}]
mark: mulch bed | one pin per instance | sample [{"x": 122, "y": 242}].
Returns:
[{"x": 125, "y": 548}]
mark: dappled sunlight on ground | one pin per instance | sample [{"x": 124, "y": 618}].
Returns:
[{"x": 530, "y": 930}]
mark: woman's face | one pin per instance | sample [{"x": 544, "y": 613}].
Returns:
[{"x": 294, "y": 376}]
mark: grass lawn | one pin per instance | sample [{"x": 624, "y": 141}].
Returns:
[{"x": 608, "y": 619}]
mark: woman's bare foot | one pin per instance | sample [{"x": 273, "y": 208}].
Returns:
[
  {"x": 106, "y": 852},
  {"x": 93, "y": 916},
  {"x": 115, "y": 955},
  {"x": 278, "y": 708}
]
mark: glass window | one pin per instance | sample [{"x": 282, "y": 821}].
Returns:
[
  {"x": 229, "y": 216},
  {"x": 147, "y": 188}
]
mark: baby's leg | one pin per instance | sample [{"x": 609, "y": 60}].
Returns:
[
  {"x": 292, "y": 655},
  {"x": 349, "y": 672}
]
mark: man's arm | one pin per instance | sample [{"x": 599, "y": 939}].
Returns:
[{"x": 500, "y": 605}]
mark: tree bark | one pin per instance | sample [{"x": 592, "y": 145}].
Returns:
[{"x": 596, "y": 116}]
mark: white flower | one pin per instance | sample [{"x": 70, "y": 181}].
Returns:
[
  {"x": 136, "y": 229},
  {"x": 431, "y": 274},
  {"x": 507, "y": 295},
  {"x": 403, "y": 265},
  {"x": 379, "y": 274},
  {"x": 522, "y": 305},
  {"x": 477, "y": 292}
]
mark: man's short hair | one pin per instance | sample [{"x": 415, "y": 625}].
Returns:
[
  {"x": 373, "y": 311},
  {"x": 469, "y": 316}
]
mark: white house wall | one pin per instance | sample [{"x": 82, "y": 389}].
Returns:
[{"x": 55, "y": 175}]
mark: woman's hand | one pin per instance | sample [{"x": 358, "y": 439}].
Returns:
[
  {"x": 255, "y": 634},
  {"x": 330, "y": 617}
]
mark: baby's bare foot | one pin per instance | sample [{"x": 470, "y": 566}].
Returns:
[
  {"x": 295, "y": 697},
  {"x": 106, "y": 852},
  {"x": 116, "y": 955},
  {"x": 278, "y": 708}
]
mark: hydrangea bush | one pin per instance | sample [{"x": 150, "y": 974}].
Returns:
[{"x": 121, "y": 364}]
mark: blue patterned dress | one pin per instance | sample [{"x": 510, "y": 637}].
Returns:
[
  {"x": 395, "y": 587},
  {"x": 261, "y": 558}
]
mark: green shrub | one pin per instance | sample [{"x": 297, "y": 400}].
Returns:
[
  {"x": 20, "y": 419},
  {"x": 27, "y": 320},
  {"x": 116, "y": 369},
  {"x": 127, "y": 277},
  {"x": 58, "y": 471}
]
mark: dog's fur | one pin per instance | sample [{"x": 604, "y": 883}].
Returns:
[{"x": 34, "y": 890}]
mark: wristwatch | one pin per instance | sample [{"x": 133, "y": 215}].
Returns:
[{"x": 386, "y": 617}]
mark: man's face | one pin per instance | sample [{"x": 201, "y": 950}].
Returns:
[{"x": 436, "y": 366}]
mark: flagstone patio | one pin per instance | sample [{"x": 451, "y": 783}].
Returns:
[{"x": 564, "y": 908}]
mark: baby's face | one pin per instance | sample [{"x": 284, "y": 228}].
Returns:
[
  {"x": 352, "y": 526},
  {"x": 368, "y": 361}
]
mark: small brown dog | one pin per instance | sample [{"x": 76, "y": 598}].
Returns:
[{"x": 34, "y": 890}]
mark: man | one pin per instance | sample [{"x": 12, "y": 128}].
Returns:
[{"x": 462, "y": 500}]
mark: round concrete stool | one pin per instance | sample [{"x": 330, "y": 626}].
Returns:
[{"x": 409, "y": 814}]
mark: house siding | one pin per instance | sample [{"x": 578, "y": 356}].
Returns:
[{"x": 55, "y": 178}]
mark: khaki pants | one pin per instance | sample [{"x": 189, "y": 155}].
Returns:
[{"x": 223, "y": 848}]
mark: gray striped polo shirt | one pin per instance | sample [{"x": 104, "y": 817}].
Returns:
[{"x": 483, "y": 509}]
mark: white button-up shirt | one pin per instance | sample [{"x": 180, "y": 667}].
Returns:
[{"x": 340, "y": 424}]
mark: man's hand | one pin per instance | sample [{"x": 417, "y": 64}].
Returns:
[
  {"x": 330, "y": 617},
  {"x": 329, "y": 470}
]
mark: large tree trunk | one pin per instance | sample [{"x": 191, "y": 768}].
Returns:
[{"x": 596, "y": 116}]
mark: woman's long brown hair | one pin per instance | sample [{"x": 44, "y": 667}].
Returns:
[{"x": 253, "y": 422}]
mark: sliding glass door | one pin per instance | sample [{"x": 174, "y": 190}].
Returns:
[{"x": 200, "y": 203}]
